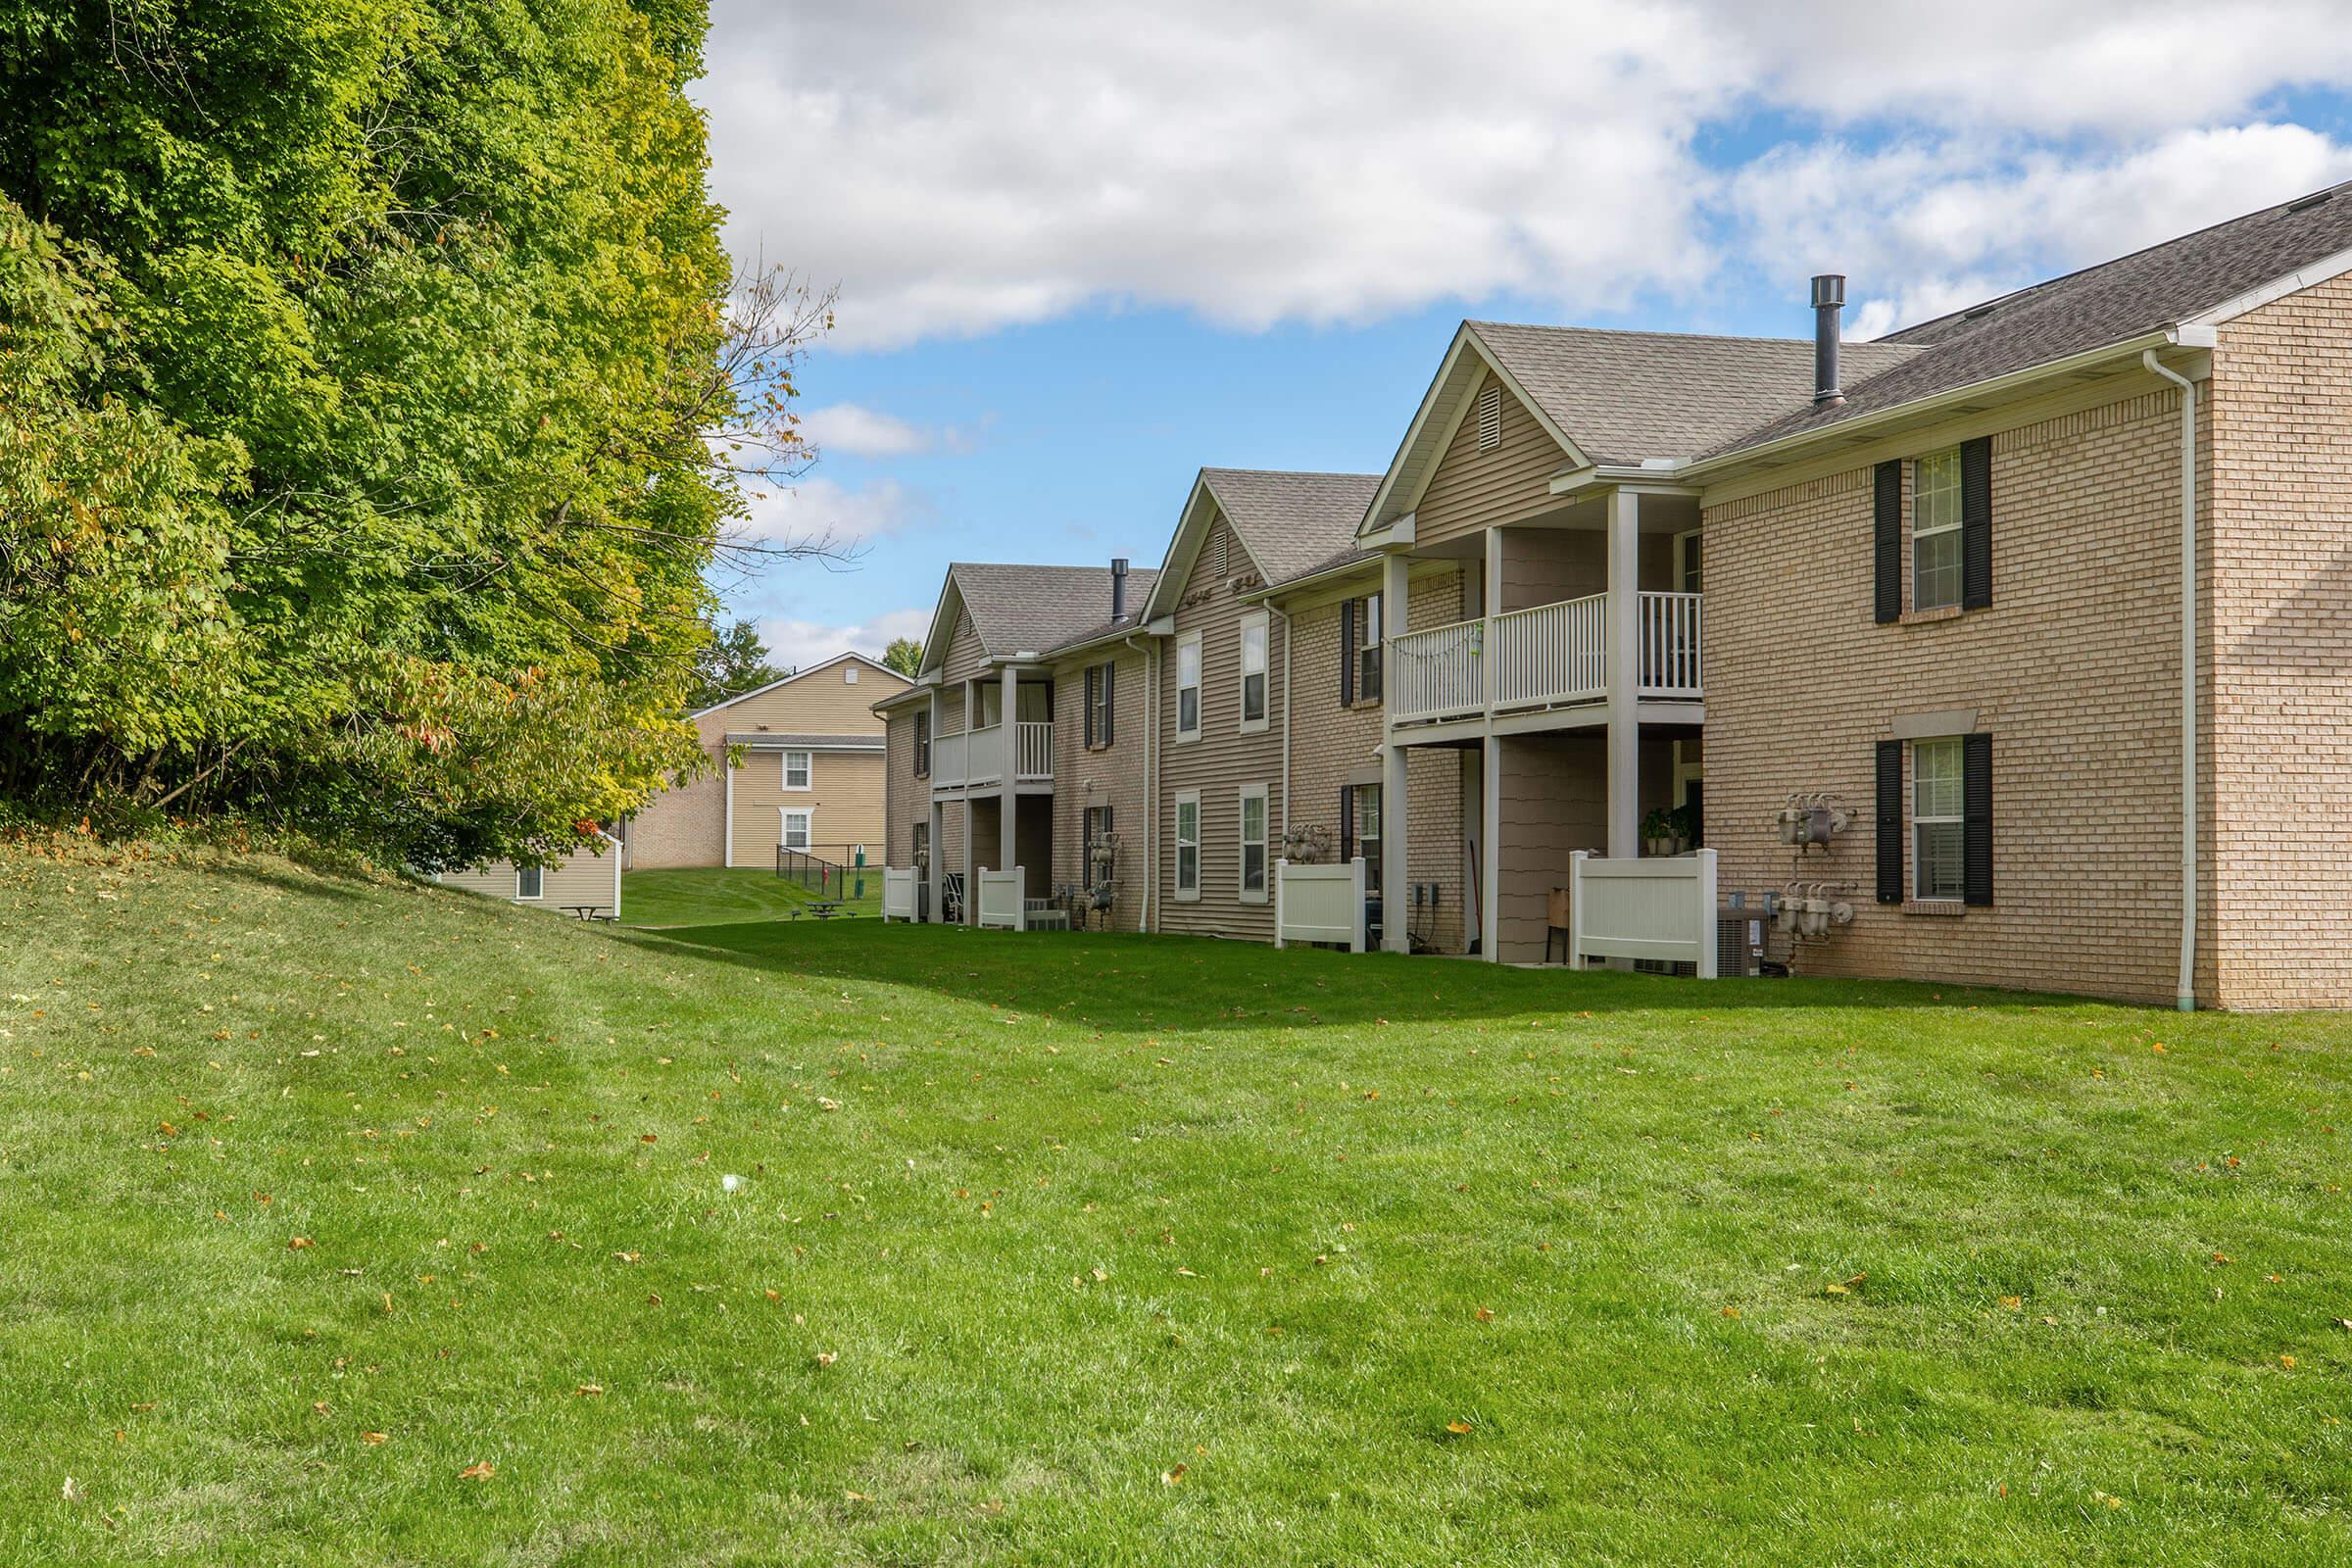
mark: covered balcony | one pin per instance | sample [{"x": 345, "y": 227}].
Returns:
[
  {"x": 1545, "y": 656},
  {"x": 978, "y": 759}
]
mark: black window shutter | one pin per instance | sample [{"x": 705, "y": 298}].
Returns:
[
  {"x": 1975, "y": 523},
  {"x": 1347, "y": 650},
  {"x": 1887, "y": 541},
  {"x": 1975, "y": 805},
  {"x": 1092, "y": 673},
  {"x": 1110, "y": 690},
  {"x": 1890, "y": 822},
  {"x": 1347, "y": 824}
]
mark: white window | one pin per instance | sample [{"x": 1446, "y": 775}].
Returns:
[
  {"x": 1187, "y": 687},
  {"x": 796, "y": 771},
  {"x": 1254, "y": 844},
  {"x": 1253, "y": 670},
  {"x": 796, "y": 820},
  {"x": 1188, "y": 845},
  {"x": 529, "y": 882},
  {"x": 1936, "y": 531},
  {"x": 1367, "y": 652},
  {"x": 849, "y": 675},
  {"x": 1939, "y": 829}
]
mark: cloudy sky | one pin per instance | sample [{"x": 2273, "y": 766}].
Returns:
[{"x": 1084, "y": 249}]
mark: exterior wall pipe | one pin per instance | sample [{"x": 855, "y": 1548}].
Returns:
[
  {"x": 1142, "y": 915},
  {"x": 2184, "y": 995}
]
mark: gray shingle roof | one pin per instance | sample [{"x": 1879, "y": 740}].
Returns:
[
  {"x": 1625, "y": 396},
  {"x": 1034, "y": 610},
  {"x": 1292, "y": 523},
  {"x": 2110, "y": 303}
]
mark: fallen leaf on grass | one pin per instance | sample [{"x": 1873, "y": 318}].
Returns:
[
  {"x": 587, "y": 1390},
  {"x": 1169, "y": 1477},
  {"x": 372, "y": 1438},
  {"x": 1460, "y": 1429},
  {"x": 299, "y": 1243},
  {"x": 482, "y": 1471},
  {"x": 827, "y": 1357},
  {"x": 1486, "y": 1314}
]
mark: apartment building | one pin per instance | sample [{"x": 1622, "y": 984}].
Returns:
[{"x": 2036, "y": 615}]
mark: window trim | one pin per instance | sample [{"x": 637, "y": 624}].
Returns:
[
  {"x": 1916, "y": 892},
  {"x": 1959, "y": 565},
  {"x": 1190, "y": 639},
  {"x": 538, "y": 896},
  {"x": 1264, "y": 844},
  {"x": 1263, "y": 624},
  {"x": 808, "y": 816},
  {"x": 1178, "y": 844},
  {"x": 1352, "y": 833},
  {"x": 808, "y": 771},
  {"x": 1371, "y": 649},
  {"x": 922, "y": 743}
]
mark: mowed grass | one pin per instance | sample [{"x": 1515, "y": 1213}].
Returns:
[
  {"x": 710, "y": 896},
  {"x": 321, "y": 1194}
]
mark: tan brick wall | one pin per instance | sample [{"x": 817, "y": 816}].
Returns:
[
  {"x": 2278, "y": 638},
  {"x": 906, "y": 801},
  {"x": 1109, "y": 775},
  {"x": 2074, "y": 670}
]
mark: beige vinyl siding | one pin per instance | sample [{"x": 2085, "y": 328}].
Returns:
[
  {"x": 964, "y": 658},
  {"x": 1223, "y": 759},
  {"x": 907, "y": 799},
  {"x": 687, "y": 826},
  {"x": 1109, "y": 775},
  {"x": 1470, "y": 490},
  {"x": 1334, "y": 746},
  {"x": 845, "y": 794},
  {"x": 584, "y": 877}
]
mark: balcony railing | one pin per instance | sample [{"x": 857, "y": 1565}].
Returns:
[
  {"x": 1543, "y": 657},
  {"x": 977, "y": 759}
]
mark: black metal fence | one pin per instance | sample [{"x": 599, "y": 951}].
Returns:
[{"x": 845, "y": 873}]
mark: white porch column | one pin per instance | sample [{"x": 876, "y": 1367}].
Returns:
[
  {"x": 971, "y": 886},
  {"x": 1623, "y": 645},
  {"x": 935, "y": 863},
  {"x": 1008, "y": 733},
  {"x": 1395, "y": 803},
  {"x": 1490, "y": 864}
]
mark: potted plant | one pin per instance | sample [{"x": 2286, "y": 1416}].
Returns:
[{"x": 1659, "y": 835}]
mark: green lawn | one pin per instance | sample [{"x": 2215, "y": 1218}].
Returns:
[
  {"x": 1055, "y": 1249},
  {"x": 710, "y": 896}
]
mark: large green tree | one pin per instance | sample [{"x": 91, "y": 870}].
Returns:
[{"x": 369, "y": 407}]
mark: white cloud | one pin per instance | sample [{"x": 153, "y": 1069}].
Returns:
[
  {"x": 862, "y": 432},
  {"x": 816, "y": 508},
  {"x": 961, "y": 168},
  {"x": 793, "y": 642},
  {"x": 1926, "y": 227}
]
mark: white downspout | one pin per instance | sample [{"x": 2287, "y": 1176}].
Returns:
[
  {"x": 2184, "y": 995},
  {"x": 1285, "y": 617}
]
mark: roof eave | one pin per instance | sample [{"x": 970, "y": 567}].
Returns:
[{"x": 2188, "y": 334}]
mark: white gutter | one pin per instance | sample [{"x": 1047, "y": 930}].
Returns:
[{"x": 2184, "y": 992}]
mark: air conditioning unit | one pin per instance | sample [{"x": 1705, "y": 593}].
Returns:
[{"x": 1739, "y": 942}]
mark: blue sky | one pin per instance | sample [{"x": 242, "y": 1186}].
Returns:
[{"x": 1082, "y": 252}]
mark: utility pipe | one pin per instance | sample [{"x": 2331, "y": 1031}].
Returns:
[
  {"x": 1284, "y": 617},
  {"x": 2184, "y": 993}
]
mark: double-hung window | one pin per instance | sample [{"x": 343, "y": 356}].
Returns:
[
  {"x": 1936, "y": 531},
  {"x": 1099, "y": 703},
  {"x": 1367, "y": 652},
  {"x": 922, "y": 743},
  {"x": 1254, "y": 844},
  {"x": 796, "y": 827},
  {"x": 796, "y": 771},
  {"x": 1253, "y": 670},
  {"x": 531, "y": 882},
  {"x": 1359, "y": 830},
  {"x": 1939, "y": 824},
  {"x": 1188, "y": 844},
  {"x": 1187, "y": 687}
]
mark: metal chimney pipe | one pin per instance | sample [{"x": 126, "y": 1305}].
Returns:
[
  {"x": 1119, "y": 587},
  {"x": 1828, "y": 299}
]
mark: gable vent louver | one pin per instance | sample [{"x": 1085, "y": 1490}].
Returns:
[{"x": 1489, "y": 418}]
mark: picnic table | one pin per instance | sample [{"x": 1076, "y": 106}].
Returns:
[
  {"x": 819, "y": 909},
  {"x": 590, "y": 911}
]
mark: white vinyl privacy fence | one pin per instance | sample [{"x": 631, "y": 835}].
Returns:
[
  {"x": 897, "y": 892},
  {"x": 1002, "y": 900},
  {"x": 1320, "y": 904},
  {"x": 1661, "y": 908}
]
